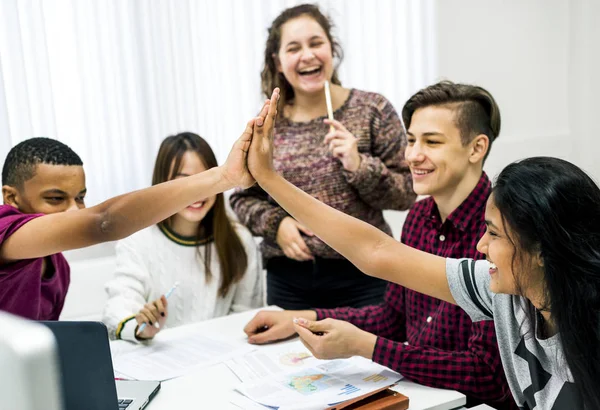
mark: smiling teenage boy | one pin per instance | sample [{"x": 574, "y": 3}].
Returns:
[{"x": 450, "y": 131}]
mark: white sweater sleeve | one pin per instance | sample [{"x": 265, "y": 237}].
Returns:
[
  {"x": 127, "y": 291},
  {"x": 249, "y": 291}
]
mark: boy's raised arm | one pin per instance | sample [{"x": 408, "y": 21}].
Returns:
[
  {"x": 371, "y": 250},
  {"x": 121, "y": 216}
]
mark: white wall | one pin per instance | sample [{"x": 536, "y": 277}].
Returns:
[
  {"x": 584, "y": 82},
  {"x": 538, "y": 58}
]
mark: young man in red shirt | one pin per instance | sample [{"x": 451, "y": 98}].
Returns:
[{"x": 451, "y": 128}]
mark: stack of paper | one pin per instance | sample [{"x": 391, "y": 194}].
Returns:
[
  {"x": 288, "y": 377},
  {"x": 170, "y": 357}
]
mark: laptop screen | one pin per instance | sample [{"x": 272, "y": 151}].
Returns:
[{"x": 86, "y": 365}]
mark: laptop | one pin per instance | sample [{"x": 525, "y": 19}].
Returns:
[{"x": 88, "y": 378}]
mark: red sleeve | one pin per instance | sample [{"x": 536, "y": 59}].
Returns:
[{"x": 476, "y": 371}]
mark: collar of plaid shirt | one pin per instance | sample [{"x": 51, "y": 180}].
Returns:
[{"x": 461, "y": 217}]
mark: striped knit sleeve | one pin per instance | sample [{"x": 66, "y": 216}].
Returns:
[{"x": 469, "y": 283}]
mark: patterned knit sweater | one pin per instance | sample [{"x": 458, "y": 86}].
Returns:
[
  {"x": 150, "y": 261},
  {"x": 382, "y": 181}
]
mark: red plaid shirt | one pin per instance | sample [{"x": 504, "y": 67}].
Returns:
[{"x": 429, "y": 341}]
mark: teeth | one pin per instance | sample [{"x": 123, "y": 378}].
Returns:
[
  {"x": 308, "y": 70},
  {"x": 493, "y": 266},
  {"x": 420, "y": 172}
]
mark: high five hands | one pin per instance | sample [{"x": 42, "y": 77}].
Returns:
[
  {"x": 252, "y": 153},
  {"x": 260, "y": 153}
]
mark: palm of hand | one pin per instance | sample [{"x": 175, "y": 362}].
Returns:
[
  {"x": 239, "y": 170},
  {"x": 260, "y": 154},
  {"x": 260, "y": 157},
  {"x": 235, "y": 168}
]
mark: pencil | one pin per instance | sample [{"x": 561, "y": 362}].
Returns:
[
  {"x": 143, "y": 325},
  {"x": 328, "y": 102}
]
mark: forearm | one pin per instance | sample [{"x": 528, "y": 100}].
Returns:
[
  {"x": 376, "y": 319},
  {"x": 365, "y": 345},
  {"x": 111, "y": 220},
  {"x": 368, "y": 248},
  {"x": 342, "y": 232},
  {"x": 126, "y": 214}
]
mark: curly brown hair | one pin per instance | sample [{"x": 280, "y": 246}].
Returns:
[{"x": 270, "y": 76}]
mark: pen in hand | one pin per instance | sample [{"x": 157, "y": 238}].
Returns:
[{"x": 143, "y": 325}]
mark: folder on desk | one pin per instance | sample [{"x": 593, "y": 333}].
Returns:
[{"x": 382, "y": 399}]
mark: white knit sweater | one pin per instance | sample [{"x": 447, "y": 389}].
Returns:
[{"x": 149, "y": 263}]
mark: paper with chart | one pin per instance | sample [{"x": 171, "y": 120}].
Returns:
[
  {"x": 288, "y": 377},
  {"x": 268, "y": 360},
  {"x": 175, "y": 356}
]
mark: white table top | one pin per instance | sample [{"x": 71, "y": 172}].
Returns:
[{"x": 213, "y": 387}]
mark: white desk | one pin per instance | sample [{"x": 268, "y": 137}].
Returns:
[{"x": 213, "y": 387}]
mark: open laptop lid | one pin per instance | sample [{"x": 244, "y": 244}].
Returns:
[{"x": 87, "y": 372}]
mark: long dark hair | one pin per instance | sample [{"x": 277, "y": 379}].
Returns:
[
  {"x": 230, "y": 250},
  {"x": 270, "y": 76},
  {"x": 553, "y": 208}
]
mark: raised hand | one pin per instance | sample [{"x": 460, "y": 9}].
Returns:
[
  {"x": 260, "y": 156},
  {"x": 154, "y": 314},
  {"x": 235, "y": 169},
  {"x": 343, "y": 145}
]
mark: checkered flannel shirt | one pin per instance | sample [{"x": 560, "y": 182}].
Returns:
[{"x": 427, "y": 340}]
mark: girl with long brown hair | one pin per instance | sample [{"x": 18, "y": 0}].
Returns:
[{"x": 213, "y": 259}]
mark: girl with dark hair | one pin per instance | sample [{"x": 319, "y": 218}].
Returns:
[
  {"x": 357, "y": 166},
  {"x": 540, "y": 282},
  {"x": 214, "y": 260}
]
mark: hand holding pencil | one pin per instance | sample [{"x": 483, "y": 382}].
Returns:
[
  {"x": 342, "y": 143},
  {"x": 152, "y": 317}
]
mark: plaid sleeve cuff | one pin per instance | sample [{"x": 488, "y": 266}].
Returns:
[{"x": 387, "y": 353}]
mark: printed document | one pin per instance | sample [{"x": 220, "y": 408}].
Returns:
[
  {"x": 169, "y": 357},
  {"x": 289, "y": 377}
]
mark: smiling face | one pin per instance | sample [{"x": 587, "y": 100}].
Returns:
[
  {"x": 305, "y": 56},
  {"x": 191, "y": 164},
  {"x": 52, "y": 189},
  {"x": 437, "y": 157},
  {"x": 499, "y": 251},
  {"x": 498, "y": 245}
]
